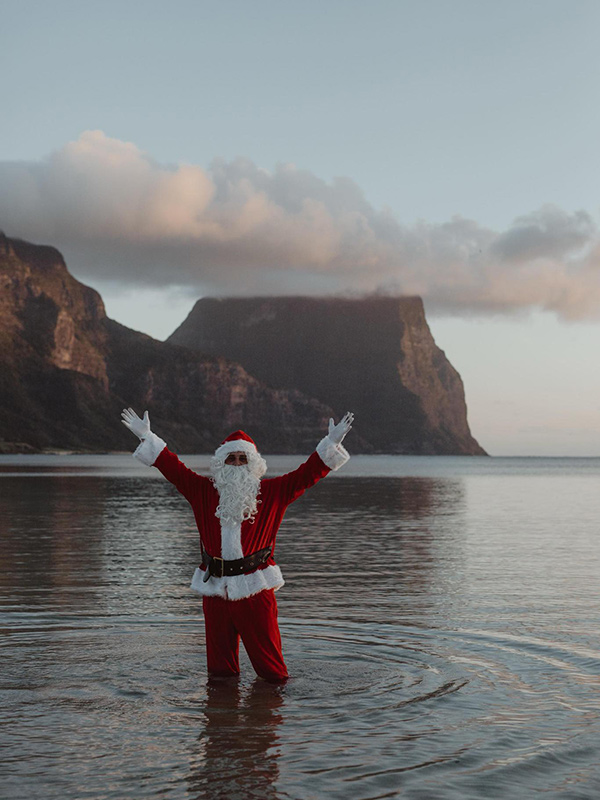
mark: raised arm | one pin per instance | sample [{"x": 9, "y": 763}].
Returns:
[
  {"x": 329, "y": 456},
  {"x": 153, "y": 452}
]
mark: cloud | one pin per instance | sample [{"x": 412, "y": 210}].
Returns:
[{"x": 235, "y": 228}]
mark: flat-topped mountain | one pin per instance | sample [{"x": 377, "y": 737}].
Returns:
[
  {"x": 375, "y": 356},
  {"x": 67, "y": 370}
]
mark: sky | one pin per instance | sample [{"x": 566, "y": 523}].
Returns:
[{"x": 446, "y": 149}]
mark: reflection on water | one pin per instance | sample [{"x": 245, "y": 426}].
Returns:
[
  {"x": 442, "y": 629},
  {"x": 237, "y": 751}
]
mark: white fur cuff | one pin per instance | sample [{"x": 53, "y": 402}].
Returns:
[
  {"x": 149, "y": 449},
  {"x": 332, "y": 455}
]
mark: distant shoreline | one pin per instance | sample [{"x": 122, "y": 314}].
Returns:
[{"x": 22, "y": 449}]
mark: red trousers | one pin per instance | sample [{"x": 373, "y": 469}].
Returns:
[{"x": 255, "y": 620}]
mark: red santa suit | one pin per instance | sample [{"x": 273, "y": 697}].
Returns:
[{"x": 241, "y": 605}]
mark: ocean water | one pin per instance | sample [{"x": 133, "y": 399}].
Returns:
[{"x": 440, "y": 619}]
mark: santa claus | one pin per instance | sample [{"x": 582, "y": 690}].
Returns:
[{"x": 238, "y": 513}]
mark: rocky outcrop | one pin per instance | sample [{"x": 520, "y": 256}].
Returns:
[
  {"x": 46, "y": 313},
  {"x": 277, "y": 367},
  {"x": 375, "y": 356},
  {"x": 67, "y": 370}
]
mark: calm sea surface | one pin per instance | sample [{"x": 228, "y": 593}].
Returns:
[{"x": 441, "y": 620}]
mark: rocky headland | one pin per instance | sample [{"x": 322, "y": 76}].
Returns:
[
  {"x": 375, "y": 356},
  {"x": 277, "y": 367}
]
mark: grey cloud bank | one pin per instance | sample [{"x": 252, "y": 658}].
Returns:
[{"x": 237, "y": 229}]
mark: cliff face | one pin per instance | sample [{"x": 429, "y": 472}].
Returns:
[
  {"x": 277, "y": 367},
  {"x": 374, "y": 356},
  {"x": 66, "y": 371},
  {"x": 46, "y": 314}
]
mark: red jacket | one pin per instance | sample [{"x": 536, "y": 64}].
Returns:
[{"x": 275, "y": 496}]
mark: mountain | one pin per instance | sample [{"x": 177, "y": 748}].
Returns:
[
  {"x": 276, "y": 367},
  {"x": 374, "y": 356},
  {"x": 67, "y": 370}
]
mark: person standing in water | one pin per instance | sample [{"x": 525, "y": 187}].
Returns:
[{"x": 238, "y": 513}]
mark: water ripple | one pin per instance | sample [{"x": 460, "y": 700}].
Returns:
[{"x": 465, "y": 664}]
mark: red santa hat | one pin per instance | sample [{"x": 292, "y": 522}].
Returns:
[{"x": 236, "y": 442}]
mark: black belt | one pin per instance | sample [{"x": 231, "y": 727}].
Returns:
[{"x": 218, "y": 567}]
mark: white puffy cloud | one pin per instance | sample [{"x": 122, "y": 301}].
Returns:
[{"x": 235, "y": 228}]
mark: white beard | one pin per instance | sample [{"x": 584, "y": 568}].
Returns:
[{"x": 238, "y": 488}]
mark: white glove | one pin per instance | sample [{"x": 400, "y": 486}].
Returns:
[
  {"x": 337, "y": 432},
  {"x": 141, "y": 427}
]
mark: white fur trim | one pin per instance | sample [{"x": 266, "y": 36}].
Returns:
[
  {"x": 236, "y": 446},
  {"x": 231, "y": 541},
  {"x": 236, "y": 587},
  {"x": 331, "y": 454},
  {"x": 149, "y": 449}
]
